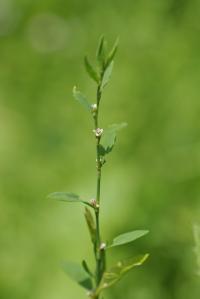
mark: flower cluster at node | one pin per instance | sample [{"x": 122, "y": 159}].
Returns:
[
  {"x": 94, "y": 107},
  {"x": 94, "y": 203},
  {"x": 102, "y": 246},
  {"x": 98, "y": 132}
]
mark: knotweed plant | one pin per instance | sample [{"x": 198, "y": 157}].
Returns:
[{"x": 96, "y": 280}]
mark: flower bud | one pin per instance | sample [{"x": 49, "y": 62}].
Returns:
[
  {"x": 94, "y": 107},
  {"x": 94, "y": 203},
  {"x": 98, "y": 132},
  {"x": 102, "y": 246}
]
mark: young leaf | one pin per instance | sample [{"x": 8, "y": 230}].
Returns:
[
  {"x": 81, "y": 99},
  {"x": 77, "y": 273},
  {"x": 68, "y": 197},
  {"x": 100, "y": 54},
  {"x": 113, "y": 275},
  {"x": 86, "y": 268},
  {"x": 91, "y": 224},
  {"x": 112, "y": 53},
  {"x": 90, "y": 70},
  {"x": 106, "y": 76},
  {"x": 108, "y": 138},
  {"x": 128, "y": 237}
]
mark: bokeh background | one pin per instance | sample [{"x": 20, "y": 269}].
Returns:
[{"x": 151, "y": 180}]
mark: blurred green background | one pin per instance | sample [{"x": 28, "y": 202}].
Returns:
[{"x": 151, "y": 180}]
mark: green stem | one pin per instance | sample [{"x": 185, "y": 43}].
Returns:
[{"x": 99, "y": 254}]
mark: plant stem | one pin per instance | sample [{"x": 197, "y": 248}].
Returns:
[{"x": 99, "y": 254}]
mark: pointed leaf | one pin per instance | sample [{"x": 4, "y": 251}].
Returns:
[
  {"x": 68, "y": 197},
  {"x": 101, "y": 51},
  {"x": 77, "y": 273},
  {"x": 128, "y": 237},
  {"x": 106, "y": 76},
  {"x": 108, "y": 138},
  {"x": 91, "y": 224},
  {"x": 65, "y": 196},
  {"x": 86, "y": 268},
  {"x": 112, "y": 53},
  {"x": 78, "y": 96},
  {"x": 113, "y": 275},
  {"x": 90, "y": 70}
]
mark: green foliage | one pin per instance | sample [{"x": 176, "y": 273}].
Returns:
[
  {"x": 87, "y": 269},
  {"x": 106, "y": 76},
  {"x": 78, "y": 96},
  {"x": 112, "y": 53},
  {"x": 78, "y": 274},
  {"x": 67, "y": 197},
  {"x": 101, "y": 52},
  {"x": 105, "y": 61},
  {"x": 91, "y": 71},
  {"x": 105, "y": 141},
  {"x": 91, "y": 224},
  {"x": 127, "y": 237},
  {"x": 109, "y": 138},
  {"x": 115, "y": 273},
  {"x": 155, "y": 88}
]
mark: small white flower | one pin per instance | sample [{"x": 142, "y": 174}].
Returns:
[
  {"x": 102, "y": 246},
  {"x": 94, "y": 107},
  {"x": 98, "y": 132},
  {"x": 94, "y": 203}
]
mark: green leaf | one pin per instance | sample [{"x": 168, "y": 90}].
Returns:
[
  {"x": 108, "y": 138},
  {"x": 86, "y": 268},
  {"x": 91, "y": 225},
  {"x": 113, "y": 275},
  {"x": 128, "y": 237},
  {"x": 68, "y": 197},
  {"x": 91, "y": 71},
  {"x": 106, "y": 76},
  {"x": 81, "y": 99},
  {"x": 78, "y": 274},
  {"x": 100, "y": 54},
  {"x": 112, "y": 53}
]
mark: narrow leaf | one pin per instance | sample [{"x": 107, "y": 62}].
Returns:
[
  {"x": 128, "y": 237},
  {"x": 106, "y": 76},
  {"x": 68, "y": 197},
  {"x": 112, "y": 53},
  {"x": 108, "y": 138},
  {"x": 86, "y": 268},
  {"x": 113, "y": 275},
  {"x": 65, "y": 196},
  {"x": 90, "y": 70},
  {"x": 78, "y": 96},
  {"x": 100, "y": 54},
  {"x": 91, "y": 224},
  {"x": 78, "y": 274}
]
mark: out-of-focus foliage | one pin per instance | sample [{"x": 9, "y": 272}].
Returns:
[
  {"x": 196, "y": 232},
  {"x": 151, "y": 180}
]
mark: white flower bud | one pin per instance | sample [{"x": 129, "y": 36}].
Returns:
[
  {"x": 102, "y": 246},
  {"x": 98, "y": 132},
  {"x": 94, "y": 203},
  {"x": 94, "y": 107}
]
